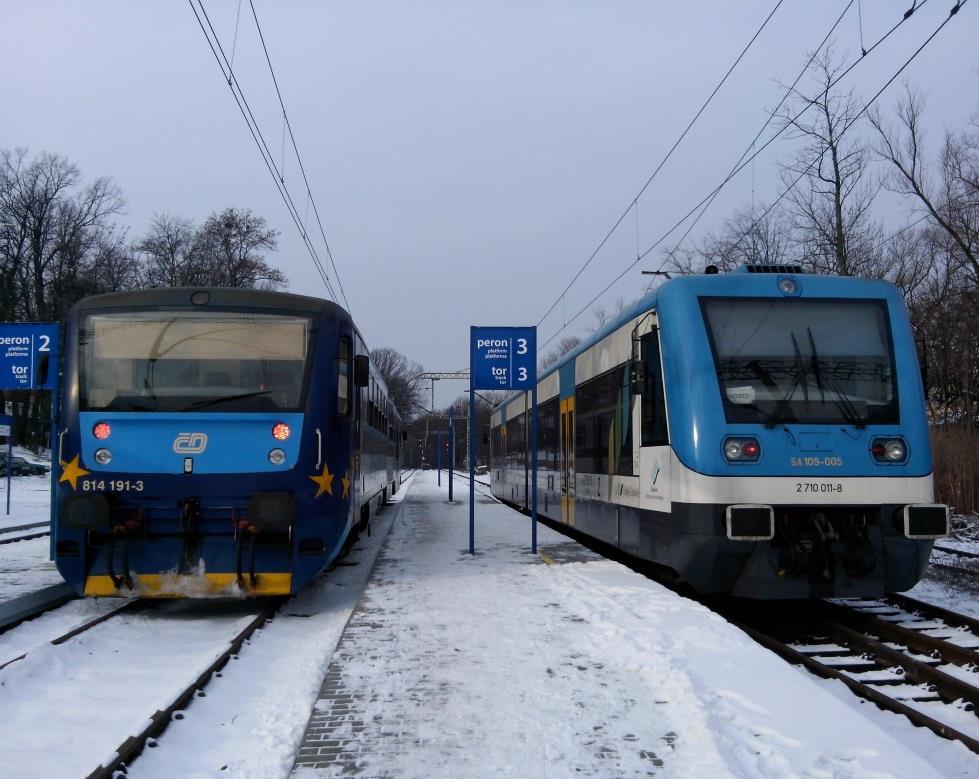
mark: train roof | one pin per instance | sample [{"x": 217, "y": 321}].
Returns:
[{"x": 216, "y": 296}]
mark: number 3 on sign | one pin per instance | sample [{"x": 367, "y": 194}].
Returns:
[
  {"x": 522, "y": 349},
  {"x": 521, "y": 374}
]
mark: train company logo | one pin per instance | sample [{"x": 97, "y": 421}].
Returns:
[{"x": 190, "y": 443}]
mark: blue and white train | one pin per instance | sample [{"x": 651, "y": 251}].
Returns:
[
  {"x": 215, "y": 442},
  {"x": 761, "y": 432}
]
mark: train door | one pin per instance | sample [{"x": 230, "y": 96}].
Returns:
[{"x": 567, "y": 461}]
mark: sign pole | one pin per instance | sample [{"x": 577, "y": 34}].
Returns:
[
  {"x": 533, "y": 466},
  {"x": 10, "y": 461},
  {"x": 29, "y": 361},
  {"x": 452, "y": 454},
  {"x": 472, "y": 443},
  {"x": 502, "y": 358}
]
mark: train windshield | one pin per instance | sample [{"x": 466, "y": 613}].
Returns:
[
  {"x": 193, "y": 361},
  {"x": 810, "y": 361}
]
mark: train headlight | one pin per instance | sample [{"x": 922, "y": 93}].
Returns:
[
  {"x": 742, "y": 450},
  {"x": 789, "y": 286},
  {"x": 281, "y": 431},
  {"x": 101, "y": 430},
  {"x": 889, "y": 450},
  {"x": 103, "y": 456},
  {"x": 277, "y": 457}
]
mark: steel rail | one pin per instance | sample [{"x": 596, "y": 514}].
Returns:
[
  {"x": 25, "y": 607},
  {"x": 28, "y": 526},
  {"x": 131, "y": 748},
  {"x": 936, "y": 612},
  {"x": 948, "y": 687},
  {"x": 128, "y": 605},
  {"x": 957, "y": 552},
  {"x": 28, "y": 537},
  {"x": 909, "y": 637},
  {"x": 859, "y": 688}
]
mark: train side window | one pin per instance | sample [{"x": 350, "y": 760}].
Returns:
[
  {"x": 548, "y": 438},
  {"x": 344, "y": 374},
  {"x": 654, "y": 430}
]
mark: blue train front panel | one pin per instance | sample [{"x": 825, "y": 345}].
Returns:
[
  {"x": 206, "y": 449},
  {"x": 798, "y": 442}
]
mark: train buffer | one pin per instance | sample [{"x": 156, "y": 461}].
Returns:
[{"x": 562, "y": 663}]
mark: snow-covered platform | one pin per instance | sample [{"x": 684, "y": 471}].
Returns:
[{"x": 511, "y": 664}]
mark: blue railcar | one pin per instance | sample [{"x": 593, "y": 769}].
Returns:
[
  {"x": 762, "y": 433},
  {"x": 215, "y": 442}
]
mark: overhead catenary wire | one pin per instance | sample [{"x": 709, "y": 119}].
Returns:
[
  {"x": 739, "y": 167},
  {"x": 771, "y": 115},
  {"x": 955, "y": 9},
  {"x": 299, "y": 159},
  {"x": 663, "y": 162},
  {"x": 256, "y": 133}
]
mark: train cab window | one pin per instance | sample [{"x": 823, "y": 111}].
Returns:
[
  {"x": 344, "y": 374},
  {"x": 796, "y": 360},
  {"x": 653, "y": 408},
  {"x": 186, "y": 361}
]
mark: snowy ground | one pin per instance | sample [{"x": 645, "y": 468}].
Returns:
[
  {"x": 498, "y": 665},
  {"x": 24, "y": 565}
]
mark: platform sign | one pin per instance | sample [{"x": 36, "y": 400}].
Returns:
[
  {"x": 502, "y": 358},
  {"x": 29, "y": 361},
  {"x": 28, "y": 356}
]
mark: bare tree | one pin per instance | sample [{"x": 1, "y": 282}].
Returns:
[
  {"x": 565, "y": 345},
  {"x": 399, "y": 374},
  {"x": 830, "y": 204},
  {"x": 51, "y": 225},
  {"x": 950, "y": 198},
  {"x": 166, "y": 252},
  {"x": 749, "y": 236},
  {"x": 231, "y": 247}
]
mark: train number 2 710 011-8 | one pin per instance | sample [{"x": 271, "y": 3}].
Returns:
[{"x": 818, "y": 487}]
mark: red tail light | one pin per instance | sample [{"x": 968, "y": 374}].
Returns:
[
  {"x": 101, "y": 430},
  {"x": 281, "y": 431}
]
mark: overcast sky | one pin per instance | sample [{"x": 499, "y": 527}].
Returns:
[{"x": 466, "y": 158}]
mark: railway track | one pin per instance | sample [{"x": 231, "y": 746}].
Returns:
[
  {"x": 12, "y": 535},
  {"x": 904, "y": 655},
  {"x": 133, "y": 623},
  {"x": 133, "y": 745}
]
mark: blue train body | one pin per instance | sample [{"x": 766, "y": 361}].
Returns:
[
  {"x": 215, "y": 442},
  {"x": 762, "y": 433}
]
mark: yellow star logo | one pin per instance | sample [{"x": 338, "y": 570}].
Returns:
[
  {"x": 71, "y": 472},
  {"x": 346, "y": 486},
  {"x": 324, "y": 480}
]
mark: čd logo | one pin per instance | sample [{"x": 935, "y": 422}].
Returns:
[{"x": 190, "y": 443}]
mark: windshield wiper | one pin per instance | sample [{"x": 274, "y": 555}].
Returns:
[
  {"x": 843, "y": 402},
  {"x": 778, "y": 414},
  {"x": 206, "y": 402}
]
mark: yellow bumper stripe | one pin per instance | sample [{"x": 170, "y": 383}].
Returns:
[{"x": 210, "y": 585}]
